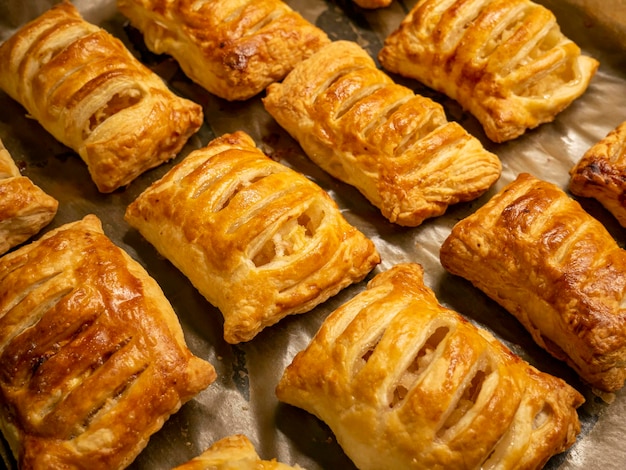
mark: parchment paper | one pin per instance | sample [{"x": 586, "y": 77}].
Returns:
[{"x": 242, "y": 399}]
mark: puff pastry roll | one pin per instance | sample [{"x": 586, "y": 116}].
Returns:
[
  {"x": 24, "y": 207},
  {"x": 233, "y": 49},
  {"x": 406, "y": 383},
  {"x": 505, "y": 61},
  {"x": 258, "y": 240},
  {"x": 397, "y": 148},
  {"x": 601, "y": 173},
  {"x": 92, "y": 357},
  {"x": 537, "y": 253},
  {"x": 232, "y": 453},
  {"x": 91, "y": 94}
]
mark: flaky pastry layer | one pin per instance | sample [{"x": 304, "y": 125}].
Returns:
[
  {"x": 92, "y": 356},
  {"x": 505, "y": 61},
  {"x": 257, "y": 239},
  {"x": 601, "y": 173},
  {"x": 234, "y": 452},
  {"x": 406, "y": 383},
  {"x": 397, "y": 148},
  {"x": 93, "y": 95},
  {"x": 24, "y": 207},
  {"x": 535, "y": 251},
  {"x": 233, "y": 49}
]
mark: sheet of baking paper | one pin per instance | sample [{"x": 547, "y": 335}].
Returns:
[{"x": 242, "y": 399}]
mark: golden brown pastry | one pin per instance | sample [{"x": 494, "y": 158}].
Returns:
[
  {"x": 601, "y": 173},
  {"x": 232, "y": 453},
  {"x": 536, "y": 252},
  {"x": 406, "y": 383},
  {"x": 373, "y": 4},
  {"x": 257, "y": 239},
  {"x": 505, "y": 61},
  {"x": 395, "y": 147},
  {"x": 233, "y": 49},
  {"x": 91, "y": 94},
  {"x": 92, "y": 357},
  {"x": 24, "y": 207}
]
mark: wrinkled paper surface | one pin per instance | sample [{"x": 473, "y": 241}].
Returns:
[{"x": 242, "y": 398}]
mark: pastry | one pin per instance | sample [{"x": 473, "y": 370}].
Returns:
[
  {"x": 537, "y": 253},
  {"x": 232, "y": 453},
  {"x": 397, "y": 148},
  {"x": 91, "y": 94},
  {"x": 406, "y": 383},
  {"x": 601, "y": 173},
  {"x": 233, "y": 49},
  {"x": 92, "y": 357},
  {"x": 258, "y": 240},
  {"x": 373, "y": 4},
  {"x": 505, "y": 61},
  {"x": 24, "y": 207}
]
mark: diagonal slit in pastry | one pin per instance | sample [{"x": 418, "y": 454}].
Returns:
[
  {"x": 79, "y": 376},
  {"x": 251, "y": 214},
  {"x": 525, "y": 422},
  {"x": 119, "y": 101},
  {"x": 354, "y": 100},
  {"x": 15, "y": 321},
  {"x": 108, "y": 402},
  {"x": 384, "y": 116},
  {"x": 334, "y": 79},
  {"x": 267, "y": 20},
  {"x": 467, "y": 399},
  {"x": 530, "y": 83},
  {"x": 418, "y": 366},
  {"x": 234, "y": 188},
  {"x": 503, "y": 29},
  {"x": 288, "y": 238},
  {"x": 28, "y": 289},
  {"x": 461, "y": 23},
  {"x": 430, "y": 121},
  {"x": 51, "y": 42},
  {"x": 48, "y": 346},
  {"x": 233, "y": 15}
]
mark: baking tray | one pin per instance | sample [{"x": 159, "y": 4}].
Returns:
[{"x": 242, "y": 399}]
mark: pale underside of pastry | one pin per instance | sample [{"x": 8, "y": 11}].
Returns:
[
  {"x": 397, "y": 148},
  {"x": 405, "y": 383},
  {"x": 233, "y": 49},
  {"x": 24, "y": 207},
  {"x": 92, "y": 356},
  {"x": 535, "y": 251},
  {"x": 505, "y": 61},
  {"x": 601, "y": 173},
  {"x": 85, "y": 88},
  {"x": 234, "y": 452},
  {"x": 258, "y": 240}
]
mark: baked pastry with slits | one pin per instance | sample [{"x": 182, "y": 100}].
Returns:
[
  {"x": 397, "y": 148},
  {"x": 24, "y": 207},
  {"x": 232, "y": 453},
  {"x": 92, "y": 356},
  {"x": 258, "y": 240},
  {"x": 505, "y": 61},
  {"x": 601, "y": 173},
  {"x": 233, "y": 49},
  {"x": 406, "y": 383},
  {"x": 537, "y": 253},
  {"x": 91, "y": 94}
]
